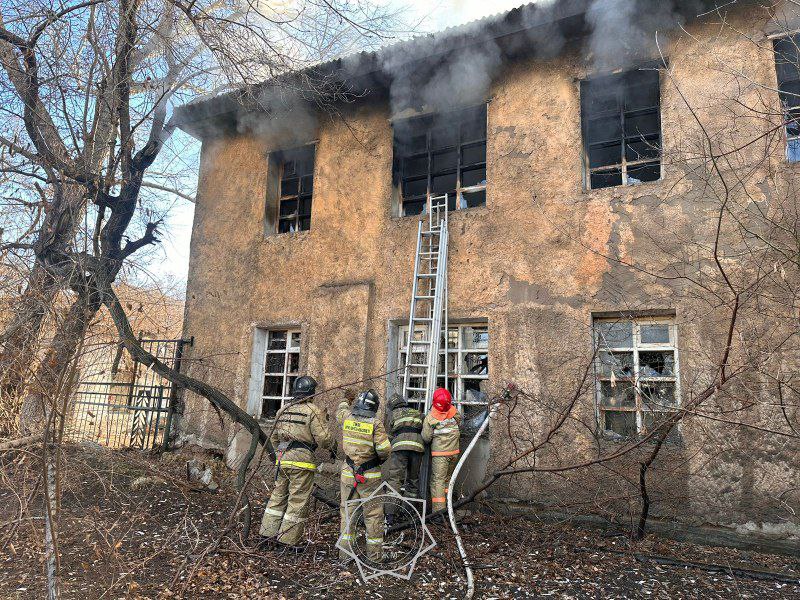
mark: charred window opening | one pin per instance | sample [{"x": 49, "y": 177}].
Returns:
[
  {"x": 787, "y": 65},
  {"x": 441, "y": 154},
  {"x": 281, "y": 368},
  {"x": 296, "y": 189},
  {"x": 621, "y": 119},
  {"x": 637, "y": 374}
]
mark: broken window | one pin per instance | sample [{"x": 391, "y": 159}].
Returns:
[
  {"x": 281, "y": 368},
  {"x": 467, "y": 351},
  {"x": 787, "y": 65},
  {"x": 621, "y": 119},
  {"x": 637, "y": 374},
  {"x": 441, "y": 154},
  {"x": 296, "y": 189}
]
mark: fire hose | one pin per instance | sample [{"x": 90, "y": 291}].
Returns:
[{"x": 487, "y": 415}]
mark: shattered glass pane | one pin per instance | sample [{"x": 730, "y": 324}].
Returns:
[
  {"x": 657, "y": 333},
  {"x": 475, "y": 385},
  {"x": 639, "y": 149},
  {"x": 288, "y": 207},
  {"x": 307, "y": 184},
  {"x": 614, "y": 334},
  {"x": 620, "y": 395},
  {"x": 290, "y": 385},
  {"x": 621, "y": 423},
  {"x": 277, "y": 340},
  {"x": 474, "y": 128},
  {"x": 286, "y": 225},
  {"x": 474, "y": 199},
  {"x": 304, "y": 224},
  {"x": 451, "y": 385},
  {"x": 475, "y": 364},
  {"x": 656, "y": 364},
  {"x": 620, "y": 363},
  {"x": 793, "y": 150},
  {"x": 658, "y": 394},
  {"x": 472, "y": 177},
  {"x": 295, "y": 340},
  {"x": 651, "y": 420},
  {"x": 294, "y": 362},
  {"x": 605, "y": 154},
  {"x": 305, "y": 206},
  {"x": 476, "y": 337},
  {"x": 269, "y": 408},
  {"x": 413, "y": 207},
  {"x": 648, "y": 172},
  {"x": 642, "y": 123},
  {"x": 273, "y": 385},
  {"x": 275, "y": 363},
  {"x": 603, "y": 179}
]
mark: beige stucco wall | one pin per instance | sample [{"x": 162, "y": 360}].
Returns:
[{"x": 536, "y": 261}]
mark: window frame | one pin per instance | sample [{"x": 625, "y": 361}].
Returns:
[
  {"x": 625, "y": 165},
  {"x": 456, "y": 378},
  {"x": 432, "y": 123},
  {"x": 636, "y": 348},
  {"x": 296, "y": 218},
  {"x": 286, "y": 374},
  {"x": 791, "y": 142}
]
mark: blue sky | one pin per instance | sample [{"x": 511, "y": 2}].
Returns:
[{"x": 170, "y": 263}]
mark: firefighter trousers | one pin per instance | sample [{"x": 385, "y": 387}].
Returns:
[
  {"x": 441, "y": 469},
  {"x": 403, "y": 470},
  {"x": 372, "y": 514},
  {"x": 288, "y": 505}
]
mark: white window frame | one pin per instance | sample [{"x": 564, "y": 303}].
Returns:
[
  {"x": 638, "y": 379},
  {"x": 286, "y": 374},
  {"x": 459, "y": 351}
]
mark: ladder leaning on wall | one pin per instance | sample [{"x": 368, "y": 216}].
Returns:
[{"x": 428, "y": 313}]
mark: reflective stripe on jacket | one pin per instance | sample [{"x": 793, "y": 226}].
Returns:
[
  {"x": 401, "y": 423},
  {"x": 363, "y": 438},
  {"x": 300, "y": 421},
  {"x": 442, "y": 431}
]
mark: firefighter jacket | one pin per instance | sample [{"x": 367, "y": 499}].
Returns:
[
  {"x": 300, "y": 427},
  {"x": 442, "y": 431},
  {"x": 363, "y": 438},
  {"x": 405, "y": 427}
]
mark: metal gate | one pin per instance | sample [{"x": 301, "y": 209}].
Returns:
[{"x": 126, "y": 405}]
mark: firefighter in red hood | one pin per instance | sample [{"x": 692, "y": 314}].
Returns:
[{"x": 442, "y": 430}]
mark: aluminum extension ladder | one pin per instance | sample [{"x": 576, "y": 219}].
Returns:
[{"x": 428, "y": 313}]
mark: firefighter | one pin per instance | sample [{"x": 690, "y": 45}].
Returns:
[
  {"x": 365, "y": 447},
  {"x": 405, "y": 427},
  {"x": 441, "y": 429},
  {"x": 300, "y": 428}
]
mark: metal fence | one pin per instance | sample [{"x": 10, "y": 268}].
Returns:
[{"x": 127, "y": 407}]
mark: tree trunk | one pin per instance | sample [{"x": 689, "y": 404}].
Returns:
[
  {"x": 68, "y": 337},
  {"x": 18, "y": 353}
]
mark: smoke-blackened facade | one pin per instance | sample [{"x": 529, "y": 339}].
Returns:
[{"x": 607, "y": 252}]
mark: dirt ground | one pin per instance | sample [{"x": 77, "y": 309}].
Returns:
[{"x": 132, "y": 527}]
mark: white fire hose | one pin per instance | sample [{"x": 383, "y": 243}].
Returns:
[{"x": 451, "y": 513}]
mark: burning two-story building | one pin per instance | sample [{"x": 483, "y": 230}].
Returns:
[{"x": 582, "y": 152}]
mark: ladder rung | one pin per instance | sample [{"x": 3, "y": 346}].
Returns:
[
  {"x": 422, "y": 319},
  {"x": 413, "y": 389},
  {"x": 421, "y": 343},
  {"x": 413, "y": 366},
  {"x": 426, "y": 275},
  {"x": 424, "y": 297}
]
